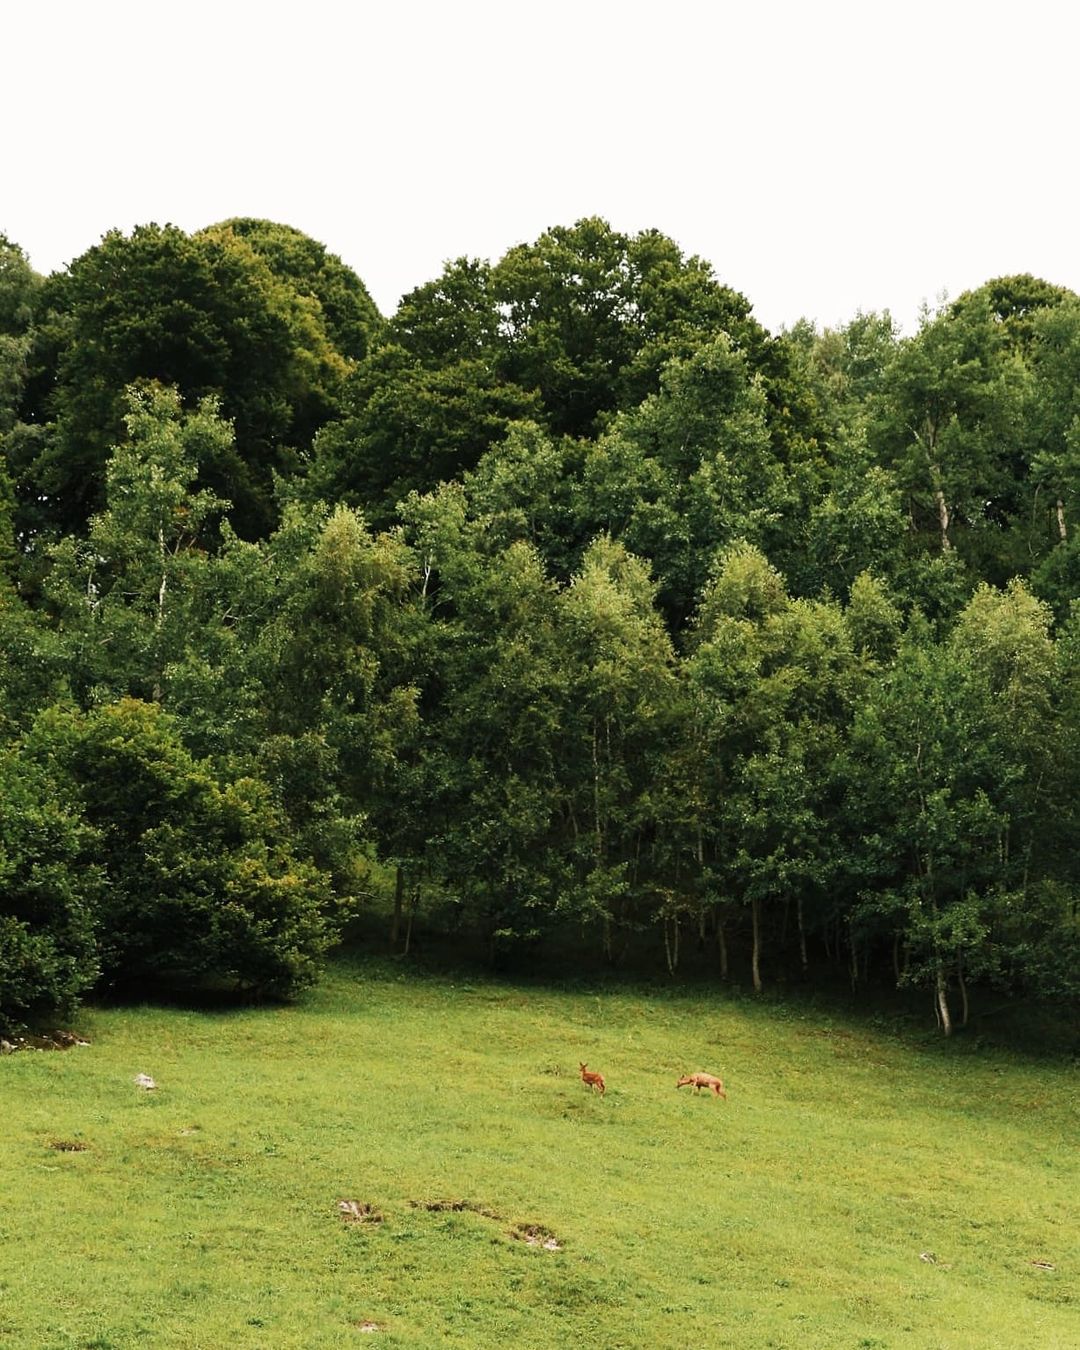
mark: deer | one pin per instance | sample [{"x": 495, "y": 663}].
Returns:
[
  {"x": 703, "y": 1080},
  {"x": 594, "y": 1080}
]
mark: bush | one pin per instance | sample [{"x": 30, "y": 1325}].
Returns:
[
  {"x": 49, "y": 890},
  {"x": 201, "y": 883}
]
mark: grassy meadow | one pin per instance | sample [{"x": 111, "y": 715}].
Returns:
[{"x": 858, "y": 1188}]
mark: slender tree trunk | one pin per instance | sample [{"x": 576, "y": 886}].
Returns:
[
  {"x": 159, "y": 618},
  {"x": 1063, "y": 533},
  {"x": 671, "y": 942},
  {"x": 755, "y": 959},
  {"x": 721, "y": 942},
  {"x": 853, "y": 963},
  {"x": 399, "y": 899},
  {"x": 964, "y": 1006},
  {"x": 414, "y": 905},
  {"x": 802, "y": 936},
  {"x": 943, "y": 519},
  {"x": 941, "y": 993},
  {"x": 896, "y": 956},
  {"x": 928, "y": 440}
]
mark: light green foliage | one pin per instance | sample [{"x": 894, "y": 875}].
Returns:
[
  {"x": 617, "y": 729},
  {"x": 124, "y": 594},
  {"x": 346, "y": 310},
  {"x": 854, "y": 1189},
  {"x": 772, "y": 682}
]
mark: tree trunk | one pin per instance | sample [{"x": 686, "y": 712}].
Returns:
[
  {"x": 943, "y": 519},
  {"x": 414, "y": 905},
  {"x": 755, "y": 960},
  {"x": 964, "y": 1006},
  {"x": 1063, "y": 533},
  {"x": 399, "y": 899},
  {"x": 671, "y": 942},
  {"x": 802, "y": 936},
  {"x": 941, "y": 993},
  {"x": 853, "y": 951},
  {"x": 721, "y": 942}
]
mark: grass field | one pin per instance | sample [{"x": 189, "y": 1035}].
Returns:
[{"x": 856, "y": 1189}]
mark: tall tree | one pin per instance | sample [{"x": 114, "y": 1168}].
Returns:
[{"x": 205, "y": 313}]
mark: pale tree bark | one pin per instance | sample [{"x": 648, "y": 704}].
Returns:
[
  {"x": 962, "y": 983},
  {"x": 942, "y": 996}
]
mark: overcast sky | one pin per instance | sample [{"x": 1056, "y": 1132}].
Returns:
[{"x": 824, "y": 157}]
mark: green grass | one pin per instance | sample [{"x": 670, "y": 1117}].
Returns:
[{"x": 794, "y": 1214}]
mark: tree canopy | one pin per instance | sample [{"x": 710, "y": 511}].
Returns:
[{"x": 565, "y": 609}]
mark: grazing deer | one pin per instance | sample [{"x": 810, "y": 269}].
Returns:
[
  {"x": 594, "y": 1080},
  {"x": 703, "y": 1080}
]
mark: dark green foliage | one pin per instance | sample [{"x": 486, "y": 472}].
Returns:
[
  {"x": 207, "y": 313},
  {"x": 200, "y": 881},
  {"x": 49, "y": 892},
  {"x": 302, "y": 263},
  {"x": 565, "y": 331}
]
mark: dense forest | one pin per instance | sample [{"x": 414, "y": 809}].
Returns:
[{"x": 568, "y": 605}]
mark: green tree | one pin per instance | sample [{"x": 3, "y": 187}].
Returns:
[
  {"x": 201, "y": 883},
  {"x": 347, "y": 310},
  {"x": 205, "y": 313},
  {"x": 49, "y": 891},
  {"x": 617, "y": 728},
  {"x": 123, "y": 594},
  {"x": 951, "y": 781},
  {"x": 565, "y": 332},
  {"x": 771, "y": 684}
]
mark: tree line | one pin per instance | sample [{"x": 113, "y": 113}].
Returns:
[{"x": 568, "y": 597}]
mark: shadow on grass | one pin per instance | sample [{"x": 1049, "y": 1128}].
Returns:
[{"x": 1020, "y": 1026}]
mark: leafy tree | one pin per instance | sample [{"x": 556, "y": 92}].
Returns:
[
  {"x": 950, "y": 780},
  {"x": 122, "y": 594},
  {"x": 771, "y": 682},
  {"x": 565, "y": 332},
  {"x": 205, "y": 313},
  {"x": 201, "y": 883},
  {"x": 49, "y": 889},
  {"x": 20, "y": 291},
  {"x": 617, "y": 729},
  {"x": 690, "y": 469},
  {"x": 347, "y": 310}
]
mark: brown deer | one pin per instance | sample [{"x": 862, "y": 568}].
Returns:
[
  {"x": 594, "y": 1080},
  {"x": 703, "y": 1080}
]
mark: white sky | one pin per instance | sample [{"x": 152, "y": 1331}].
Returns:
[{"x": 824, "y": 156}]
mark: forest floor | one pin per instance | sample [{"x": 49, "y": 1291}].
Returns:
[{"x": 413, "y": 1157}]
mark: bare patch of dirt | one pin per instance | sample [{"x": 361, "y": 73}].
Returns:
[
  {"x": 536, "y": 1235},
  {"x": 68, "y": 1145},
  {"x": 455, "y": 1207},
  {"x": 356, "y": 1211},
  {"x": 532, "y": 1234},
  {"x": 367, "y": 1326}
]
